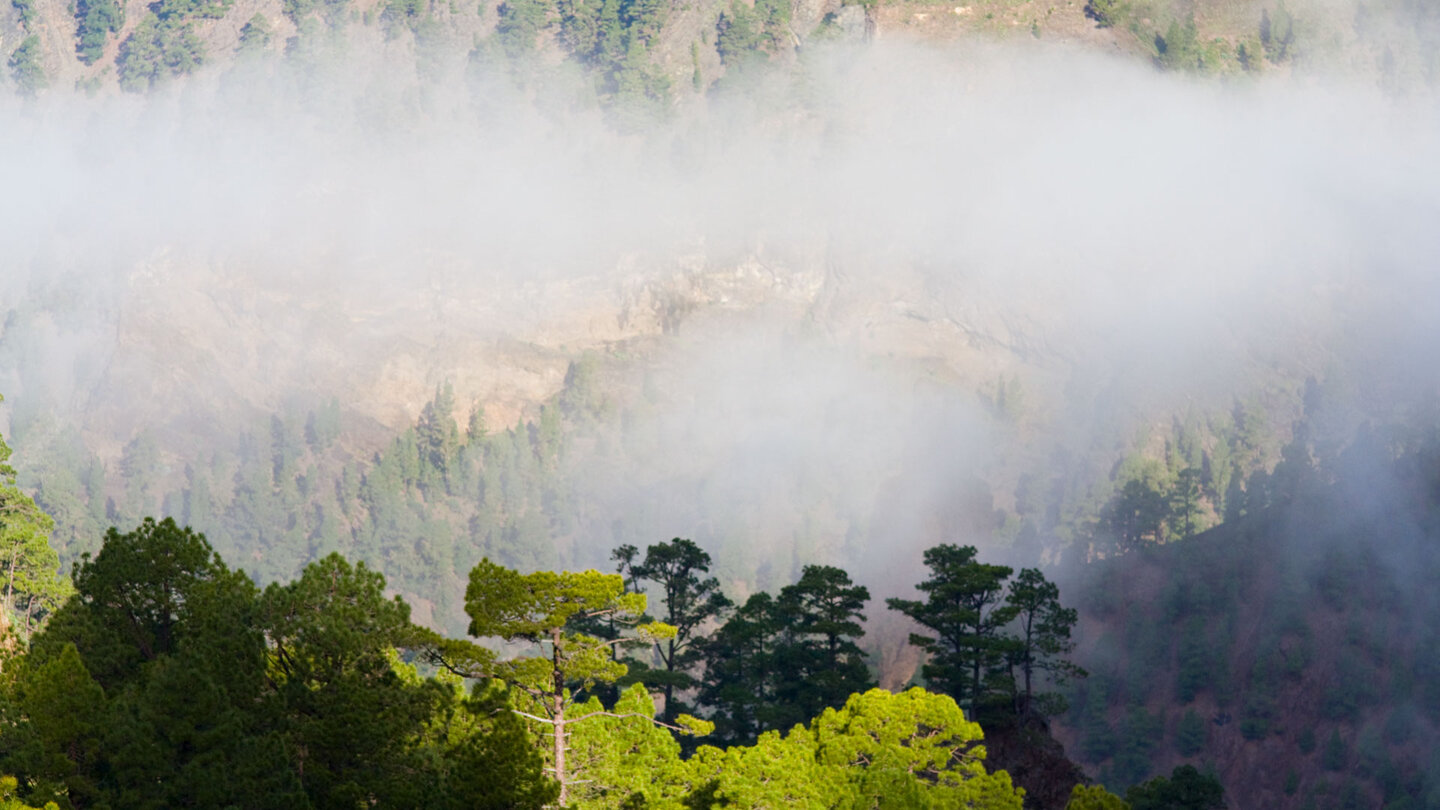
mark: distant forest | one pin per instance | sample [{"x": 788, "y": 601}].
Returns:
[{"x": 428, "y": 507}]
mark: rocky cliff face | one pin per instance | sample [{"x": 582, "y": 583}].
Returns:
[
  {"x": 210, "y": 345},
  {"x": 1035, "y": 761}
]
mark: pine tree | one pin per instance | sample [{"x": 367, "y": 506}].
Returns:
[
  {"x": 818, "y": 661},
  {"x": 536, "y": 608},
  {"x": 965, "y": 610},
  {"x": 687, "y": 600},
  {"x": 1042, "y": 638}
]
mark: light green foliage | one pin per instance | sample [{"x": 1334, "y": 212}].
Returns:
[
  {"x": 506, "y": 603},
  {"x": 1094, "y": 797},
  {"x": 881, "y": 750},
  {"x": 776, "y": 772},
  {"x": 8, "y": 788},
  {"x": 537, "y": 608},
  {"x": 25, "y": 67},
  {"x": 622, "y": 754},
  {"x": 916, "y": 743},
  {"x": 32, "y": 587}
]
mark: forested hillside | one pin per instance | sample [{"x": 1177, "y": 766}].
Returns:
[
  {"x": 642, "y": 58},
  {"x": 1289, "y": 648},
  {"x": 438, "y": 497}
]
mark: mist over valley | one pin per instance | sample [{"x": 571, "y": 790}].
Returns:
[{"x": 1137, "y": 296}]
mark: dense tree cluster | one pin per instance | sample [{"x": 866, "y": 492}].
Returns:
[
  {"x": 778, "y": 660},
  {"x": 171, "y": 680},
  {"x": 1214, "y": 470},
  {"x": 990, "y": 642},
  {"x": 165, "y": 679},
  {"x": 427, "y": 508},
  {"x": 1298, "y": 598}
]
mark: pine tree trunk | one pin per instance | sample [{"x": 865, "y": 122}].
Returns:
[
  {"x": 557, "y": 698},
  {"x": 10, "y": 584},
  {"x": 669, "y": 662}
]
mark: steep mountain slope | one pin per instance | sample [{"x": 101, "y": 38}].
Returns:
[
  {"x": 670, "y": 52},
  {"x": 1292, "y": 651}
]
